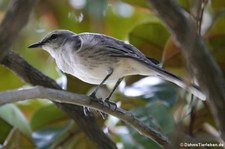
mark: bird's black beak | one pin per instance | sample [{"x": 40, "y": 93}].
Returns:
[{"x": 36, "y": 45}]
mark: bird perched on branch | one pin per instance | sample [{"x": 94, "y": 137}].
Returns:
[{"x": 100, "y": 59}]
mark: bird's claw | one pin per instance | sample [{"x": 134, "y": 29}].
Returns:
[
  {"x": 95, "y": 99},
  {"x": 102, "y": 102},
  {"x": 107, "y": 101},
  {"x": 87, "y": 111}
]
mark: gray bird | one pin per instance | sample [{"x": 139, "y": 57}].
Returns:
[{"x": 100, "y": 59}]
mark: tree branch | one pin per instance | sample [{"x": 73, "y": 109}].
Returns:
[
  {"x": 200, "y": 62},
  {"x": 31, "y": 75},
  {"x": 15, "y": 19},
  {"x": 61, "y": 96}
]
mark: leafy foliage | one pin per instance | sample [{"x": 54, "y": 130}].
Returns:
[{"x": 38, "y": 123}]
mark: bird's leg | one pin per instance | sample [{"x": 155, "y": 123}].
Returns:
[
  {"x": 93, "y": 94},
  {"x": 114, "y": 88},
  {"x": 110, "y": 94}
]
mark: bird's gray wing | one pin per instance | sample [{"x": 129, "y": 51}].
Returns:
[{"x": 119, "y": 48}]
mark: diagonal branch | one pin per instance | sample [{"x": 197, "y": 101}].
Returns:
[
  {"x": 31, "y": 75},
  {"x": 61, "y": 96},
  {"x": 14, "y": 20},
  {"x": 200, "y": 62}
]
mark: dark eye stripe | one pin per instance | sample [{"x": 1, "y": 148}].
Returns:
[{"x": 53, "y": 36}]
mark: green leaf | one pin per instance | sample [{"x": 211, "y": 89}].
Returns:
[
  {"x": 45, "y": 137},
  {"x": 172, "y": 56},
  {"x": 133, "y": 17},
  {"x": 216, "y": 38},
  {"x": 140, "y": 3},
  {"x": 184, "y": 3},
  {"x": 47, "y": 115},
  {"x": 134, "y": 140},
  {"x": 4, "y": 130},
  {"x": 12, "y": 114},
  {"x": 150, "y": 38},
  {"x": 150, "y": 91},
  {"x": 18, "y": 140},
  {"x": 9, "y": 80},
  {"x": 217, "y": 27},
  {"x": 156, "y": 115},
  {"x": 217, "y": 5}
]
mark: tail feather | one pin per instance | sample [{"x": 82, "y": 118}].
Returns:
[
  {"x": 180, "y": 82},
  {"x": 177, "y": 80}
]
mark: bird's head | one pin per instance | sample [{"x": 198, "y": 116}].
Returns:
[{"x": 53, "y": 40}]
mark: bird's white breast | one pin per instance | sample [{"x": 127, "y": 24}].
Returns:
[
  {"x": 93, "y": 70},
  {"x": 83, "y": 69},
  {"x": 69, "y": 62}
]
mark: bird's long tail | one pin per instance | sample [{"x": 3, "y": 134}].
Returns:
[{"x": 177, "y": 80}]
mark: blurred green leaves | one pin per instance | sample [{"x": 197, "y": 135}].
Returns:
[
  {"x": 5, "y": 130},
  {"x": 12, "y": 115},
  {"x": 13, "y": 125},
  {"x": 156, "y": 115},
  {"x": 47, "y": 115},
  {"x": 36, "y": 123},
  {"x": 46, "y": 137},
  {"x": 139, "y": 3},
  {"x": 144, "y": 37},
  {"x": 153, "y": 89}
]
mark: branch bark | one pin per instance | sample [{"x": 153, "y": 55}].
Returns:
[
  {"x": 199, "y": 60},
  {"x": 61, "y": 96},
  {"x": 31, "y": 75},
  {"x": 15, "y": 19}
]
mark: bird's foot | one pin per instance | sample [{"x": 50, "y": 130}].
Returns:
[
  {"x": 107, "y": 101},
  {"x": 100, "y": 101},
  {"x": 87, "y": 111}
]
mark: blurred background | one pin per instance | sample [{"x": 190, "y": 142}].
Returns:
[{"x": 38, "y": 123}]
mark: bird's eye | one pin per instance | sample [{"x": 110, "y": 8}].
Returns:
[{"x": 53, "y": 37}]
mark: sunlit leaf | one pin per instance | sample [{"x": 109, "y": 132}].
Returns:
[
  {"x": 10, "y": 80},
  {"x": 126, "y": 22},
  {"x": 11, "y": 114}
]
